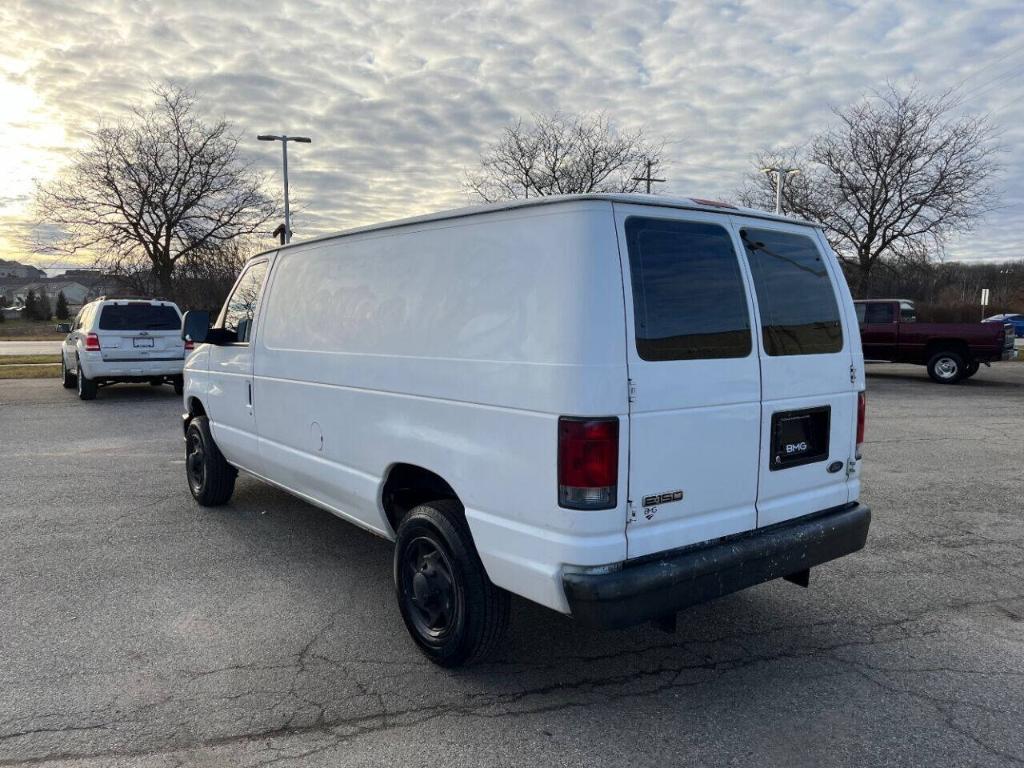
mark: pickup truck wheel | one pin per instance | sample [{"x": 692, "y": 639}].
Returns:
[
  {"x": 210, "y": 478},
  {"x": 68, "y": 378},
  {"x": 452, "y": 610},
  {"x": 946, "y": 367},
  {"x": 86, "y": 387},
  {"x": 971, "y": 368}
]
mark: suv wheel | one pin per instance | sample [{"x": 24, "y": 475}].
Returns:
[
  {"x": 179, "y": 385},
  {"x": 68, "y": 378},
  {"x": 210, "y": 478},
  {"x": 451, "y": 609},
  {"x": 86, "y": 387},
  {"x": 946, "y": 367}
]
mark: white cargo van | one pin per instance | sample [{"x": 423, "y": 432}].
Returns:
[{"x": 616, "y": 406}]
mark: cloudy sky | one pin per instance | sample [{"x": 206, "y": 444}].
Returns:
[{"x": 400, "y": 98}]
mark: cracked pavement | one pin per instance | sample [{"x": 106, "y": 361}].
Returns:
[{"x": 138, "y": 630}]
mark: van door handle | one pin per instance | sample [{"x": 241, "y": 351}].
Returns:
[{"x": 249, "y": 403}]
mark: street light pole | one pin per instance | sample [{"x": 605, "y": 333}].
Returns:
[
  {"x": 780, "y": 179},
  {"x": 284, "y": 158}
]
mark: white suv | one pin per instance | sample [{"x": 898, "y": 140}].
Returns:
[
  {"x": 114, "y": 340},
  {"x": 616, "y": 406}
]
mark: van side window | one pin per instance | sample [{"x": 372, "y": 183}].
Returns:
[
  {"x": 241, "y": 306},
  {"x": 799, "y": 313},
  {"x": 689, "y": 302}
]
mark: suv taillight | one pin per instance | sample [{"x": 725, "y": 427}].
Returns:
[
  {"x": 92, "y": 343},
  {"x": 862, "y": 406},
  {"x": 189, "y": 345},
  {"x": 588, "y": 463}
]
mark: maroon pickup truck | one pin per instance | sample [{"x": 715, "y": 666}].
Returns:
[{"x": 890, "y": 331}]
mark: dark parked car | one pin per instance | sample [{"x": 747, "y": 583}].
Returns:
[
  {"x": 891, "y": 332},
  {"x": 1017, "y": 321}
]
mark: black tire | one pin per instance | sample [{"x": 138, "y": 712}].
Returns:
[
  {"x": 210, "y": 478},
  {"x": 452, "y": 610},
  {"x": 971, "y": 368},
  {"x": 69, "y": 380},
  {"x": 179, "y": 386},
  {"x": 86, "y": 387},
  {"x": 946, "y": 367}
]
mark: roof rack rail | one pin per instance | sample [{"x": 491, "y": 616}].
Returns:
[{"x": 130, "y": 298}]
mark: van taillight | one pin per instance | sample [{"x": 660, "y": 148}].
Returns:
[
  {"x": 92, "y": 343},
  {"x": 588, "y": 463},
  {"x": 862, "y": 406}
]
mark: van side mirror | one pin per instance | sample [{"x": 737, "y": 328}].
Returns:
[
  {"x": 195, "y": 326},
  {"x": 63, "y": 327}
]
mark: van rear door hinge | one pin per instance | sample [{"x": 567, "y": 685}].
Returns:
[
  {"x": 853, "y": 373},
  {"x": 632, "y": 390},
  {"x": 630, "y": 512}
]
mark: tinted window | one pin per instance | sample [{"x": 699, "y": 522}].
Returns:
[
  {"x": 241, "y": 307},
  {"x": 875, "y": 313},
  {"x": 139, "y": 317},
  {"x": 799, "y": 314},
  {"x": 688, "y": 296}
]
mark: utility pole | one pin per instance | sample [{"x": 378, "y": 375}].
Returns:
[
  {"x": 780, "y": 179},
  {"x": 287, "y": 238},
  {"x": 648, "y": 178}
]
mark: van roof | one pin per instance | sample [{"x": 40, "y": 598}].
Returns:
[{"x": 661, "y": 201}]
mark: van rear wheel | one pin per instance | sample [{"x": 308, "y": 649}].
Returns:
[
  {"x": 210, "y": 478},
  {"x": 946, "y": 367},
  {"x": 452, "y": 610}
]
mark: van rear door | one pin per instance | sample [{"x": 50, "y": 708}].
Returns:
[
  {"x": 808, "y": 379},
  {"x": 695, "y": 405}
]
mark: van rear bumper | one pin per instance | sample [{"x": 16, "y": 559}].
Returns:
[{"x": 658, "y": 586}]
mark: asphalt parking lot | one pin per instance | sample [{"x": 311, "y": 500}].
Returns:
[{"x": 139, "y": 629}]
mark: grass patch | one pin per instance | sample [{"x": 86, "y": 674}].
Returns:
[
  {"x": 24, "y": 359},
  {"x": 29, "y": 330},
  {"x": 30, "y": 371}
]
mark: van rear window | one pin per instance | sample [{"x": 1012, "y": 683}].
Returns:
[
  {"x": 139, "y": 317},
  {"x": 688, "y": 297},
  {"x": 799, "y": 313}
]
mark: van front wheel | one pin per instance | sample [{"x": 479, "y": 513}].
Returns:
[
  {"x": 451, "y": 609},
  {"x": 210, "y": 478}
]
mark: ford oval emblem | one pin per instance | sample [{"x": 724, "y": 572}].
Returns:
[{"x": 835, "y": 466}]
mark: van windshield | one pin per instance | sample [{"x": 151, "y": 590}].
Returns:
[
  {"x": 799, "y": 313},
  {"x": 139, "y": 317}
]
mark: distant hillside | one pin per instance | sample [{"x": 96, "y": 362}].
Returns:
[{"x": 19, "y": 270}]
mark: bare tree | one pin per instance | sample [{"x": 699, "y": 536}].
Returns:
[
  {"x": 559, "y": 155},
  {"x": 157, "y": 189},
  {"x": 893, "y": 178}
]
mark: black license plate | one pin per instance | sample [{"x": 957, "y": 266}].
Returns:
[{"x": 800, "y": 437}]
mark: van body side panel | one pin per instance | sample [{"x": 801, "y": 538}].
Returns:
[
  {"x": 694, "y": 422},
  {"x": 453, "y": 346}
]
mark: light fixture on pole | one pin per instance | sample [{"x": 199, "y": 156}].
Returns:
[
  {"x": 284, "y": 155},
  {"x": 780, "y": 179}
]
